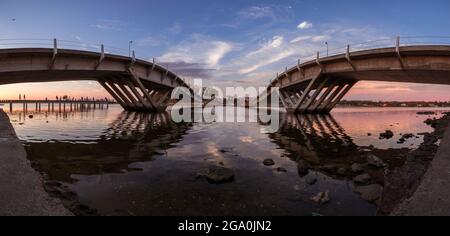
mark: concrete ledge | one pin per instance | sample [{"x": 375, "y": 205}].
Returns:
[
  {"x": 432, "y": 196},
  {"x": 22, "y": 192}
]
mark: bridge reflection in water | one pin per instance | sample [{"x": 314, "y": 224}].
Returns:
[
  {"x": 319, "y": 140},
  {"x": 132, "y": 137}
]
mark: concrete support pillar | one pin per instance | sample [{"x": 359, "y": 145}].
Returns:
[
  {"x": 113, "y": 94},
  {"x": 146, "y": 105},
  {"x": 305, "y": 93},
  {"x": 339, "y": 98},
  {"x": 326, "y": 103},
  {"x": 129, "y": 95},
  {"x": 137, "y": 80},
  {"x": 327, "y": 92},
  {"x": 314, "y": 96},
  {"x": 121, "y": 95}
]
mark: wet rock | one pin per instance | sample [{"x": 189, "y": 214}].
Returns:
[
  {"x": 426, "y": 113},
  {"x": 375, "y": 161},
  {"x": 268, "y": 162},
  {"x": 302, "y": 168},
  {"x": 311, "y": 179},
  {"x": 321, "y": 198},
  {"x": 328, "y": 168},
  {"x": 401, "y": 141},
  {"x": 281, "y": 169},
  {"x": 432, "y": 122},
  {"x": 357, "y": 168},
  {"x": 370, "y": 193},
  {"x": 217, "y": 174},
  {"x": 408, "y": 136},
  {"x": 362, "y": 179},
  {"x": 342, "y": 171},
  {"x": 387, "y": 134}
]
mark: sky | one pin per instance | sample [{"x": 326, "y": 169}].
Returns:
[{"x": 226, "y": 43}]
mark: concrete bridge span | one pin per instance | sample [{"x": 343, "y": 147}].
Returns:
[
  {"x": 317, "y": 86},
  {"x": 135, "y": 84}
]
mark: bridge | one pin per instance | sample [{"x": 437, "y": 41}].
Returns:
[
  {"x": 137, "y": 85},
  {"x": 317, "y": 85}
]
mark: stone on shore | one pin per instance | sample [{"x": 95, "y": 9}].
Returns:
[
  {"x": 217, "y": 174},
  {"x": 370, "y": 193},
  {"x": 268, "y": 162},
  {"x": 321, "y": 198},
  {"x": 387, "y": 134},
  {"x": 362, "y": 179},
  {"x": 375, "y": 161},
  {"x": 357, "y": 168},
  {"x": 311, "y": 179},
  {"x": 302, "y": 168}
]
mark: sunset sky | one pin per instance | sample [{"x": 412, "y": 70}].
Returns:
[{"x": 235, "y": 43}]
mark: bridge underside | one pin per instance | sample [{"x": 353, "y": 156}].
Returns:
[{"x": 318, "y": 95}]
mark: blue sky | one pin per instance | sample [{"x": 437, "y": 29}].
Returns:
[{"x": 228, "y": 42}]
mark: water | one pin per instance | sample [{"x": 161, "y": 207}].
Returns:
[{"x": 122, "y": 163}]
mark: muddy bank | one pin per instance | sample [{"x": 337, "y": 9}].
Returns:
[
  {"x": 22, "y": 192},
  {"x": 401, "y": 183}
]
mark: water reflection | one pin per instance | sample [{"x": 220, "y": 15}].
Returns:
[
  {"x": 132, "y": 137},
  {"x": 144, "y": 164}
]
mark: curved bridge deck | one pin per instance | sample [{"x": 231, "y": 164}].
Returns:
[
  {"x": 135, "y": 84},
  {"x": 317, "y": 86}
]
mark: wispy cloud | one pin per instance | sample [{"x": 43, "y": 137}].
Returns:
[
  {"x": 257, "y": 12},
  {"x": 305, "y": 25},
  {"x": 104, "y": 24},
  {"x": 196, "y": 56}
]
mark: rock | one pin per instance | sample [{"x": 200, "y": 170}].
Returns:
[
  {"x": 362, "y": 179},
  {"x": 311, "y": 179},
  {"x": 387, "y": 134},
  {"x": 369, "y": 134},
  {"x": 268, "y": 162},
  {"x": 426, "y": 113},
  {"x": 375, "y": 161},
  {"x": 328, "y": 168},
  {"x": 217, "y": 174},
  {"x": 356, "y": 168},
  {"x": 370, "y": 193},
  {"x": 30, "y": 116},
  {"x": 341, "y": 171},
  {"x": 401, "y": 141},
  {"x": 281, "y": 169},
  {"x": 408, "y": 136},
  {"x": 321, "y": 198},
  {"x": 302, "y": 168}
]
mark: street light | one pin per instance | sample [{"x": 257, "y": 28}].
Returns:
[
  {"x": 129, "y": 47},
  {"x": 327, "y": 47}
]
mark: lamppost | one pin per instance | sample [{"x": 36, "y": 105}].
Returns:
[
  {"x": 129, "y": 47},
  {"x": 327, "y": 47}
]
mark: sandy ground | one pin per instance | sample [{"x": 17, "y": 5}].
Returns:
[
  {"x": 22, "y": 192},
  {"x": 432, "y": 196}
]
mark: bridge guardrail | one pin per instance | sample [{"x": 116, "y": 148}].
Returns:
[
  {"x": 372, "y": 44},
  {"x": 72, "y": 45}
]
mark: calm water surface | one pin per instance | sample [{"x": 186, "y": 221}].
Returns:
[{"x": 123, "y": 163}]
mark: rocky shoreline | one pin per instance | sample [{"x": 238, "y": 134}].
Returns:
[{"x": 402, "y": 182}]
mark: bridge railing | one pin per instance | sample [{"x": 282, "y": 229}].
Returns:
[
  {"x": 61, "y": 44},
  {"x": 385, "y": 42},
  {"x": 75, "y": 45}
]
